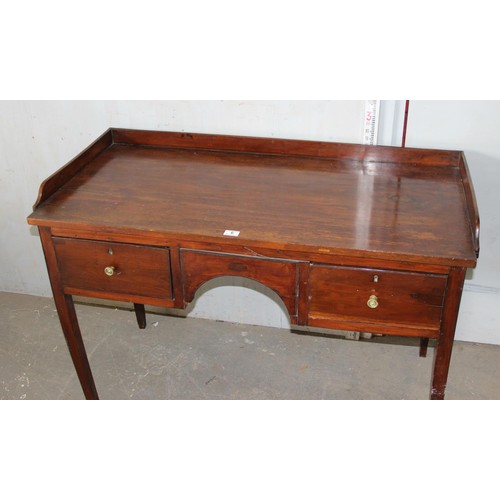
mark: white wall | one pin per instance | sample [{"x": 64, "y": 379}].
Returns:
[
  {"x": 37, "y": 137},
  {"x": 473, "y": 127}
]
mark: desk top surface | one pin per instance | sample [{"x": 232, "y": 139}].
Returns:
[{"x": 410, "y": 209}]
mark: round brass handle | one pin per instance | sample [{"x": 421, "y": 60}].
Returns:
[
  {"x": 372, "y": 302},
  {"x": 109, "y": 271}
]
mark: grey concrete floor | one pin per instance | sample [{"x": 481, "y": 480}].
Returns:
[{"x": 184, "y": 358}]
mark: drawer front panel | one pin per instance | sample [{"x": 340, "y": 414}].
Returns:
[
  {"x": 375, "y": 296},
  {"x": 281, "y": 276},
  {"x": 117, "y": 268}
]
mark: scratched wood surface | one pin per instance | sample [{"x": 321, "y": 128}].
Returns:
[{"x": 392, "y": 209}]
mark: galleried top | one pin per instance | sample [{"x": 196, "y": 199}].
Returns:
[{"x": 339, "y": 199}]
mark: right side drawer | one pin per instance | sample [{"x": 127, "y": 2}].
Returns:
[{"x": 375, "y": 298}]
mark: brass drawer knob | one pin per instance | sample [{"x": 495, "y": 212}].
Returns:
[
  {"x": 109, "y": 271},
  {"x": 372, "y": 302}
]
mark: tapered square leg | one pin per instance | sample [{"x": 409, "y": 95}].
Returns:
[
  {"x": 68, "y": 319},
  {"x": 424, "y": 343},
  {"x": 140, "y": 314},
  {"x": 442, "y": 356},
  {"x": 71, "y": 329}
]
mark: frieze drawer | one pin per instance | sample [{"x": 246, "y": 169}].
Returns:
[
  {"x": 109, "y": 268},
  {"x": 371, "y": 298},
  {"x": 279, "y": 275}
]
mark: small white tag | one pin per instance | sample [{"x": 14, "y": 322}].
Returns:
[{"x": 230, "y": 232}]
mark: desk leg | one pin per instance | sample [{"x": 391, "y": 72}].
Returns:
[
  {"x": 71, "y": 329},
  {"x": 424, "y": 343},
  {"x": 67, "y": 317},
  {"x": 444, "y": 345},
  {"x": 140, "y": 314}
]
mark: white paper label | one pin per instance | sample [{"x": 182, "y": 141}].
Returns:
[{"x": 231, "y": 232}]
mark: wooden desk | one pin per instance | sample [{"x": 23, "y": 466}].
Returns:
[{"x": 365, "y": 238}]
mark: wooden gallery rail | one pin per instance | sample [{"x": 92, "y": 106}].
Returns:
[{"x": 365, "y": 238}]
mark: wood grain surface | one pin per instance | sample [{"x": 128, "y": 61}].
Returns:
[{"x": 336, "y": 206}]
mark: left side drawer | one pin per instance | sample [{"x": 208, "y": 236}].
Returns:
[{"x": 108, "y": 269}]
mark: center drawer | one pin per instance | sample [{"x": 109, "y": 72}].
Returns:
[
  {"x": 108, "y": 269},
  {"x": 279, "y": 275},
  {"x": 372, "y": 299}
]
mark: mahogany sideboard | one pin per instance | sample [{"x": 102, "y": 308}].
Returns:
[{"x": 363, "y": 238}]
